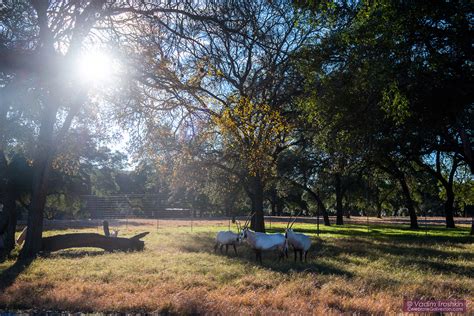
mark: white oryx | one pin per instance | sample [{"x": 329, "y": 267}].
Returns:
[
  {"x": 300, "y": 242},
  {"x": 228, "y": 238},
  {"x": 260, "y": 242}
]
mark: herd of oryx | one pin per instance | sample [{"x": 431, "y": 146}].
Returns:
[{"x": 262, "y": 242}]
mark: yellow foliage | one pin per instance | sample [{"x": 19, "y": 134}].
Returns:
[
  {"x": 253, "y": 131},
  {"x": 67, "y": 163}
]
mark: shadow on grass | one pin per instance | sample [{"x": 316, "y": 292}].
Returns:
[
  {"x": 312, "y": 266},
  {"x": 202, "y": 242},
  {"x": 458, "y": 236},
  {"x": 410, "y": 255},
  {"x": 75, "y": 253},
  {"x": 8, "y": 276},
  {"x": 407, "y": 252}
]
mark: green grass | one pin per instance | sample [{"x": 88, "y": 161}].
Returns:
[{"x": 350, "y": 269}]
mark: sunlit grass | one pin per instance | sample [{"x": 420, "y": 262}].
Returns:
[{"x": 350, "y": 269}]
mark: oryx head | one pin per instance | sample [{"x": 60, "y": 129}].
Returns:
[
  {"x": 239, "y": 231},
  {"x": 245, "y": 229},
  {"x": 289, "y": 225}
]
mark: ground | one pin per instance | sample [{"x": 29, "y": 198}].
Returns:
[{"x": 350, "y": 269}]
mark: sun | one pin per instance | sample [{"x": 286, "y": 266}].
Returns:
[{"x": 97, "y": 68}]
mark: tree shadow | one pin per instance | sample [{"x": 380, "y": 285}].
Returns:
[
  {"x": 203, "y": 243},
  {"x": 312, "y": 266},
  {"x": 8, "y": 276},
  {"x": 74, "y": 253},
  {"x": 409, "y": 254},
  {"x": 200, "y": 242},
  {"x": 408, "y": 235},
  {"x": 407, "y": 251}
]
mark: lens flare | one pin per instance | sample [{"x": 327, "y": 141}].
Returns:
[{"x": 97, "y": 68}]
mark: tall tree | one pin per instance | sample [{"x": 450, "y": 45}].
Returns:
[
  {"x": 305, "y": 167},
  {"x": 445, "y": 176},
  {"x": 40, "y": 42},
  {"x": 396, "y": 76},
  {"x": 222, "y": 73}
]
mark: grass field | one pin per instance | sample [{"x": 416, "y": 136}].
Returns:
[{"x": 350, "y": 269}]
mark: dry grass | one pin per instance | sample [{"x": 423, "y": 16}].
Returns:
[{"x": 350, "y": 270}]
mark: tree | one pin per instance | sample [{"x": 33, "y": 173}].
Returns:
[
  {"x": 40, "y": 42},
  {"x": 384, "y": 74},
  {"x": 304, "y": 167},
  {"x": 253, "y": 135},
  {"x": 17, "y": 176},
  {"x": 446, "y": 178},
  {"x": 217, "y": 70}
]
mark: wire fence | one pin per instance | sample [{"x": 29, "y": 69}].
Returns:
[
  {"x": 157, "y": 212},
  {"x": 272, "y": 223},
  {"x": 133, "y": 206}
]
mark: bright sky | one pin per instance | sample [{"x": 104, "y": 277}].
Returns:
[{"x": 99, "y": 70}]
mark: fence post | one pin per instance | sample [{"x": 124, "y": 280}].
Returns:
[
  {"x": 368, "y": 227},
  {"x": 426, "y": 225},
  {"x": 317, "y": 221}
]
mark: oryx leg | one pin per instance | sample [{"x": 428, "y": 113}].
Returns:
[
  {"x": 294, "y": 250},
  {"x": 305, "y": 255},
  {"x": 281, "y": 255},
  {"x": 235, "y": 249},
  {"x": 226, "y": 249},
  {"x": 221, "y": 247},
  {"x": 258, "y": 256},
  {"x": 301, "y": 255},
  {"x": 215, "y": 246}
]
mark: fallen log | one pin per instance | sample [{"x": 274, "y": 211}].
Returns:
[
  {"x": 105, "y": 224},
  {"x": 81, "y": 240},
  {"x": 21, "y": 238},
  {"x": 107, "y": 232}
]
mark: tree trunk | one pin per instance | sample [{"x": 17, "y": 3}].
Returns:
[
  {"x": 3, "y": 184},
  {"x": 273, "y": 202},
  {"x": 339, "y": 208},
  {"x": 41, "y": 167},
  {"x": 379, "y": 209},
  {"x": 347, "y": 208},
  {"x": 321, "y": 208},
  {"x": 409, "y": 202},
  {"x": 466, "y": 144},
  {"x": 258, "y": 221},
  {"x": 9, "y": 210},
  {"x": 81, "y": 240},
  {"x": 447, "y": 184},
  {"x": 449, "y": 204},
  {"x": 449, "y": 207},
  {"x": 378, "y": 203},
  {"x": 319, "y": 202},
  {"x": 306, "y": 209},
  {"x": 279, "y": 206},
  {"x": 472, "y": 225}
]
